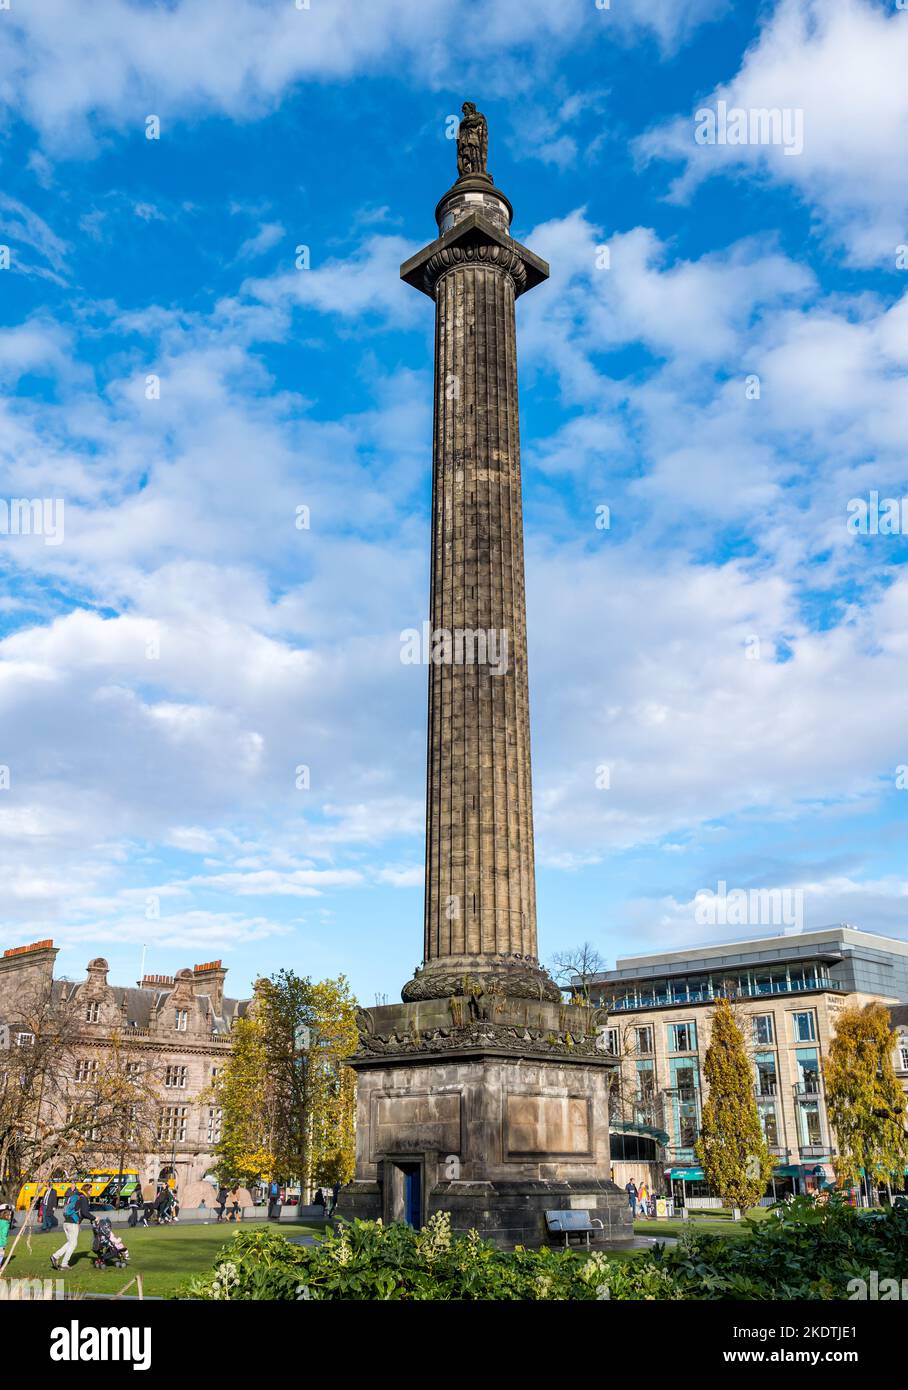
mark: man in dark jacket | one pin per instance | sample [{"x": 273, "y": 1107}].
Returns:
[
  {"x": 48, "y": 1206},
  {"x": 75, "y": 1211}
]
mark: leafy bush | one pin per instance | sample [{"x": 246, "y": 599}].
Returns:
[{"x": 801, "y": 1251}]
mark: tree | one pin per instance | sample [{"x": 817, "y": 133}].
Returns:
[
  {"x": 731, "y": 1147},
  {"x": 286, "y": 1095},
  {"x": 245, "y": 1149},
  {"x": 127, "y": 1092},
  {"x": 573, "y": 970},
  {"x": 38, "y": 1131},
  {"x": 864, "y": 1100}
]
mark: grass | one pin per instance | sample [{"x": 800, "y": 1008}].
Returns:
[
  {"x": 165, "y": 1256},
  {"x": 715, "y": 1222}
]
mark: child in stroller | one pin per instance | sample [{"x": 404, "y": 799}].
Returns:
[{"x": 108, "y": 1249}]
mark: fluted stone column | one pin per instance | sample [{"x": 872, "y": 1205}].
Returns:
[{"x": 480, "y": 904}]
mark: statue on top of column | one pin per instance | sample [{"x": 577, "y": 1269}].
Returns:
[{"x": 472, "y": 141}]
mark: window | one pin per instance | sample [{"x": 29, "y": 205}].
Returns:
[
  {"x": 175, "y": 1076},
  {"x": 803, "y": 1026},
  {"x": 86, "y": 1070},
  {"x": 769, "y": 1122},
  {"x": 766, "y": 1073},
  {"x": 93, "y": 1012},
  {"x": 214, "y": 1125},
  {"x": 763, "y": 1032},
  {"x": 643, "y": 1039},
  {"x": 172, "y": 1128},
  {"x": 682, "y": 1037},
  {"x": 808, "y": 1065},
  {"x": 133, "y": 1070},
  {"x": 809, "y": 1125},
  {"x": 182, "y": 1020},
  {"x": 611, "y": 1042},
  {"x": 904, "y": 1052},
  {"x": 25, "y": 1039}
]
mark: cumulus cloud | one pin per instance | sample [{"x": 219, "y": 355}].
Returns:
[
  {"x": 843, "y": 67},
  {"x": 115, "y": 62}
]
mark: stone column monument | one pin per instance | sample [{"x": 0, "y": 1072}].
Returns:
[{"x": 482, "y": 1094}]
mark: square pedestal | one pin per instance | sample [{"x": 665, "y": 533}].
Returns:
[{"x": 475, "y": 1120}]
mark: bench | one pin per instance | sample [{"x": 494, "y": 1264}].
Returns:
[{"x": 568, "y": 1223}]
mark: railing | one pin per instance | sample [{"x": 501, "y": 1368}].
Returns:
[
  {"x": 653, "y": 999},
  {"x": 806, "y": 1089},
  {"x": 766, "y": 1088}
]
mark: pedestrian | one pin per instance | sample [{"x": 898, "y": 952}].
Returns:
[
  {"x": 6, "y": 1221},
  {"x": 149, "y": 1193},
  {"x": 235, "y": 1204},
  {"x": 75, "y": 1211},
  {"x": 222, "y": 1201},
  {"x": 335, "y": 1194},
  {"x": 321, "y": 1200},
  {"x": 136, "y": 1207},
  {"x": 274, "y": 1197},
  {"x": 642, "y": 1194},
  {"x": 48, "y": 1209},
  {"x": 631, "y": 1190}
]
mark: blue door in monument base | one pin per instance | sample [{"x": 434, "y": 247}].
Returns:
[{"x": 412, "y": 1173}]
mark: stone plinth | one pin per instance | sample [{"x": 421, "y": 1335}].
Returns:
[{"x": 498, "y": 1110}]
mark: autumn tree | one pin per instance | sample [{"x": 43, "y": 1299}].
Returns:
[
  {"x": 245, "y": 1150},
  {"x": 286, "y": 1095},
  {"x": 865, "y": 1103},
  {"x": 126, "y": 1093},
  {"x": 731, "y": 1148}
]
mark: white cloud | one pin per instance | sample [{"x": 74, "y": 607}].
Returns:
[
  {"x": 844, "y": 66},
  {"x": 112, "y": 63}
]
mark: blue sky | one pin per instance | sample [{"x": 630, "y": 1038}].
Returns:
[{"x": 168, "y": 666}]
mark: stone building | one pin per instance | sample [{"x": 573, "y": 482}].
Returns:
[
  {"x": 177, "y": 1027},
  {"x": 788, "y": 992}
]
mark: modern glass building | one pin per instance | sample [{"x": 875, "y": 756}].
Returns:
[{"x": 790, "y": 989}]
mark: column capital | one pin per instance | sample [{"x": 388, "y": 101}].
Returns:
[{"x": 474, "y": 239}]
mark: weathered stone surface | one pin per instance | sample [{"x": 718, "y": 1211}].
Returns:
[
  {"x": 483, "y": 1093},
  {"x": 519, "y": 1136}
]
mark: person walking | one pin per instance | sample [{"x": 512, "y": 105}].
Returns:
[
  {"x": 274, "y": 1199},
  {"x": 631, "y": 1190},
  {"x": 222, "y": 1201},
  {"x": 48, "y": 1209},
  {"x": 75, "y": 1211},
  {"x": 235, "y": 1204},
  {"x": 642, "y": 1194},
  {"x": 136, "y": 1207},
  {"x": 335, "y": 1194}
]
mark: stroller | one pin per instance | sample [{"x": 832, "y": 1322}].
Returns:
[{"x": 107, "y": 1248}]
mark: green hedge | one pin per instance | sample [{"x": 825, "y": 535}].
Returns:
[{"x": 800, "y": 1251}]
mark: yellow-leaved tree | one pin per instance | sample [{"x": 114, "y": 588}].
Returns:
[
  {"x": 287, "y": 1098},
  {"x": 865, "y": 1102}
]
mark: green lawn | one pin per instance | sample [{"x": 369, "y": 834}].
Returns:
[
  {"x": 715, "y": 1222},
  {"x": 165, "y": 1256}
]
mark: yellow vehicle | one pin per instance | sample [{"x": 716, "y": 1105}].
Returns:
[{"x": 103, "y": 1184}]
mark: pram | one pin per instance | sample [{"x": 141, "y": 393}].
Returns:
[{"x": 107, "y": 1248}]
